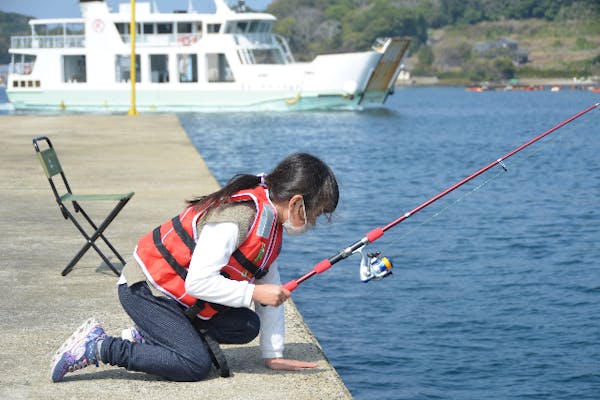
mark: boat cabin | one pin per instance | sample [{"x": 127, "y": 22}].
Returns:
[{"x": 170, "y": 47}]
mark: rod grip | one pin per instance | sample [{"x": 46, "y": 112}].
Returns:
[
  {"x": 322, "y": 266},
  {"x": 374, "y": 234},
  {"x": 291, "y": 285}
]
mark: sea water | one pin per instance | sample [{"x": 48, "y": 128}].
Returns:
[
  {"x": 496, "y": 287},
  {"x": 496, "y": 291}
]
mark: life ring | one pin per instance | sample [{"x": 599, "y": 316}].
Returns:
[
  {"x": 186, "y": 40},
  {"x": 98, "y": 25}
]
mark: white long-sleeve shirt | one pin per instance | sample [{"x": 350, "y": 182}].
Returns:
[{"x": 216, "y": 243}]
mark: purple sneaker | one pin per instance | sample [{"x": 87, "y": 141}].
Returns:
[
  {"x": 132, "y": 334},
  {"x": 79, "y": 351}
]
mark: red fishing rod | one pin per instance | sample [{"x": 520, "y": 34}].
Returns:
[{"x": 374, "y": 267}]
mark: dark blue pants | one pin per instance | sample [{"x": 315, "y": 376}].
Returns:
[{"x": 174, "y": 349}]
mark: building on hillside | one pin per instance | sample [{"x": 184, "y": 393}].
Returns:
[{"x": 502, "y": 47}]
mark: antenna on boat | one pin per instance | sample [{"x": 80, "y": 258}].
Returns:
[
  {"x": 190, "y": 9},
  {"x": 155, "y": 7}
]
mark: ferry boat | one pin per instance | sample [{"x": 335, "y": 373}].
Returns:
[{"x": 187, "y": 61}]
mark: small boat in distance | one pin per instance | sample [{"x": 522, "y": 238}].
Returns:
[{"x": 187, "y": 61}]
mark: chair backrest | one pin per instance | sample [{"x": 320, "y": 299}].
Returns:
[
  {"x": 51, "y": 166},
  {"x": 49, "y": 161}
]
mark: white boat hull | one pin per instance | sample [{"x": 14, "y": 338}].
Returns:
[{"x": 163, "y": 101}]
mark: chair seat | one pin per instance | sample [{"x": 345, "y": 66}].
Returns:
[{"x": 95, "y": 197}]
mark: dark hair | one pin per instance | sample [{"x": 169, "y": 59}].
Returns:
[{"x": 299, "y": 173}]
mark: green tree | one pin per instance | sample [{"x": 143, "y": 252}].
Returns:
[
  {"x": 503, "y": 68},
  {"x": 425, "y": 60},
  {"x": 11, "y": 24}
]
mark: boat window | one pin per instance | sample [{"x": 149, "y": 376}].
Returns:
[
  {"x": 75, "y": 29},
  {"x": 164, "y": 28},
  {"x": 184, "y": 27},
  {"x": 218, "y": 69},
  {"x": 265, "y": 27},
  {"x": 148, "y": 28},
  {"x": 23, "y": 63},
  {"x": 267, "y": 56},
  {"x": 40, "y": 30},
  {"x": 74, "y": 69},
  {"x": 187, "y": 67},
  {"x": 254, "y": 25},
  {"x": 122, "y": 28},
  {"x": 213, "y": 28},
  {"x": 49, "y": 29},
  {"x": 159, "y": 68},
  {"x": 124, "y": 32},
  {"x": 236, "y": 27},
  {"x": 123, "y": 68}
]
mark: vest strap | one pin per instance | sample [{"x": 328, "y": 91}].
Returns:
[
  {"x": 198, "y": 306},
  {"x": 248, "y": 265},
  {"x": 216, "y": 354},
  {"x": 182, "y": 233},
  {"x": 182, "y": 272}
]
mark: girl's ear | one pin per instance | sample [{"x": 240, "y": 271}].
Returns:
[
  {"x": 295, "y": 202},
  {"x": 295, "y": 208}
]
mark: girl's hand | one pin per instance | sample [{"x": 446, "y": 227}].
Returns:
[
  {"x": 270, "y": 295},
  {"x": 288, "y": 365}
]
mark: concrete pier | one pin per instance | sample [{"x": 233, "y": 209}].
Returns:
[{"x": 39, "y": 308}]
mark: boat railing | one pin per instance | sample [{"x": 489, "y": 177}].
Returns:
[
  {"x": 286, "y": 49},
  {"x": 47, "y": 42},
  {"x": 166, "y": 39}
]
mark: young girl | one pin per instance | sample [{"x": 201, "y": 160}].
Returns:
[{"x": 199, "y": 273}]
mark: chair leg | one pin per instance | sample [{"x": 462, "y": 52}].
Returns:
[
  {"x": 98, "y": 232},
  {"x": 108, "y": 220},
  {"x": 82, "y": 251}
]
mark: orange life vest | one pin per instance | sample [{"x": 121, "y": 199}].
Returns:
[{"x": 165, "y": 253}]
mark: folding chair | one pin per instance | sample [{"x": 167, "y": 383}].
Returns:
[{"x": 51, "y": 166}]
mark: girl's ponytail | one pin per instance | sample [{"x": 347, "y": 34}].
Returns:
[
  {"x": 300, "y": 173},
  {"x": 235, "y": 184}
]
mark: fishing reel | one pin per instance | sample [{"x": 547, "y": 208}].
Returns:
[{"x": 373, "y": 266}]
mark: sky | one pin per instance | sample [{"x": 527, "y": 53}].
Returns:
[{"x": 70, "y": 8}]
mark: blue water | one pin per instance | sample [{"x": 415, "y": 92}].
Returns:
[{"x": 498, "y": 297}]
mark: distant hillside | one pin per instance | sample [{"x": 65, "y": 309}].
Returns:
[
  {"x": 466, "y": 40},
  {"x": 11, "y": 24},
  {"x": 553, "y": 49},
  {"x": 454, "y": 38}
]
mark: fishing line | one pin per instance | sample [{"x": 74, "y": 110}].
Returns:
[
  {"x": 502, "y": 170},
  {"x": 373, "y": 266}
]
